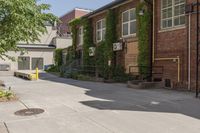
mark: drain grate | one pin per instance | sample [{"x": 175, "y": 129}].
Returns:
[{"x": 29, "y": 112}]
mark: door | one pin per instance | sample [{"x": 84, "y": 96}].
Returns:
[
  {"x": 37, "y": 62},
  {"x": 23, "y": 63}
]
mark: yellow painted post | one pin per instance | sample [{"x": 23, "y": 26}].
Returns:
[{"x": 37, "y": 73}]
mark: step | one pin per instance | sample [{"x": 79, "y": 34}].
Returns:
[
  {"x": 6, "y": 73},
  {"x": 145, "y": 85}
]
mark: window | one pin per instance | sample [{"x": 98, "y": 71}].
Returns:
[
  {"x": 129, "y": 22},
  {"x": 172, "y": 13},
  {"x": 100, "y": 30},
  {"x": 80, "y": 36},
  {"x": 37, "y": 63},
  {"x": 23, "y": 63}
]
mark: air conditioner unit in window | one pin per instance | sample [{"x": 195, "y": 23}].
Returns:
[
  {"x": 117, "y": 46},
  {"x": 92, "y": 51}
]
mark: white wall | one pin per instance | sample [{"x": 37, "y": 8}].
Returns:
[
  {"x": 62, "y": 42},
  {"x": 45, "y": 38},
  {"x": 46, "y": 54}
]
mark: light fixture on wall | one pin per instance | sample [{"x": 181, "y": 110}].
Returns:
[{"x": 141, "y": 12}]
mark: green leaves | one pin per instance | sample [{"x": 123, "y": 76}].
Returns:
[
  {"x": 87, "y": 43},
  {"x": 143, "y": 29},
  {"x": 6, "y": 94},
  {"x": 21, "y": 20},
  {"x": 58, "y": 57},
  {"x": 110, "y": 33}
]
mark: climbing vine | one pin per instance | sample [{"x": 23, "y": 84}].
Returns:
[
  {"x": 72, "y": 50},
  {"x": 87, "y": 43},
  {"x": 110, "y": 34},
  {"x": 58, "y": 57},
  {"x": 104, "y": 52},
  {"x": 143, "y": 22}
]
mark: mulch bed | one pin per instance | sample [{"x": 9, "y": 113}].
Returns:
[{"x": 8, "y": 100}]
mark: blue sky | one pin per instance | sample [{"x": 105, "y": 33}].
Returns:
[{"x": 60, "y": 7}]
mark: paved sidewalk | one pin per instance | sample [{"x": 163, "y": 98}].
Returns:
[{"x": 85, "y": 107}]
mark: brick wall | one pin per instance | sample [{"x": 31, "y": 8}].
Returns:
[
  {"x": 128, "y": 56},
  {"x": 76, "y": 13},
  {"x": 173, "y": 43},
  {"x": 64, "y": 28}
]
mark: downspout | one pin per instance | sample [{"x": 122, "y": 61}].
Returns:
[
  {"x": 189, "y": 52},
  {"x": 163, "y": 59},
  {"x": 174, "y": 60},
  {"x": 197, "y": 52},
  {"x": 153, "y": 39}
]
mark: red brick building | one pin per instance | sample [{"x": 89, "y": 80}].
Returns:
[
  {"x": 126, "y": 30},
  {"x": 173, "y": 39},
  {"x": 174, "y": 43},
  {"x": 63, "y": 27}
]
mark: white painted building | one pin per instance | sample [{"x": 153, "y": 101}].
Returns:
[{"x": 38, "y": 54}]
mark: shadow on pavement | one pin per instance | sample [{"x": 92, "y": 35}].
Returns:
[{"x": 119, "y": 97}]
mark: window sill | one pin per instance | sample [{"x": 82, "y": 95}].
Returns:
[
  {"x": 99, "y": 41},
  {"x": 129, "y": 36},
  {"x": 172, "y": 29}
]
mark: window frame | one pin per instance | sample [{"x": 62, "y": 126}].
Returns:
[
  {"x": 129, "y": 23},
  {"x": 100, "y": 30},
  {"x": 173, "y": 15}
]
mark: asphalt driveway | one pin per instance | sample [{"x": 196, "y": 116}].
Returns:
[{"x": 85, "y": 107}]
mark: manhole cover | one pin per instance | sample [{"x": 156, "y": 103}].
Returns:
[{"x": 29, "y": 112}]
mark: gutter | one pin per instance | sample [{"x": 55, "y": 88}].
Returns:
[{"x": 103, "y": 9}]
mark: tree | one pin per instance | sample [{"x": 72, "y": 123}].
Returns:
[{"x": 21, "y": 20}]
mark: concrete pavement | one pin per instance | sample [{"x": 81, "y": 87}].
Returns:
[{"x": 85, "y": 107}]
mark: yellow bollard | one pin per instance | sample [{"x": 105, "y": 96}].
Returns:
[{"x": 37, "y": 73}]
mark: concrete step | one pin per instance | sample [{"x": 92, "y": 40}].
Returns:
[
  {"x": 6, "y": 73},
  {"x": 145, "y": 85}
]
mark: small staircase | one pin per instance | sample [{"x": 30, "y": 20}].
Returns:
[{"x": 139, "y": 84}]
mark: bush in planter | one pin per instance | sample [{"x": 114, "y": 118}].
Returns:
[
  {"x": 83, "y": 77},
  {"x": 6, "y": 94}
]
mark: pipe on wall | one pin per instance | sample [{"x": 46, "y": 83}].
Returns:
[
  {"x": 178, "y": 66},
  {"x": 189, "y": 52},
  {"x": 163, "y": 59},
  {"x": 153, "y": 39}
]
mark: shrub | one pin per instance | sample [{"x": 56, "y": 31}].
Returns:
[
  {"x": 83, "y": 77},
  {"x": 53, "y": 69},
  {"x": 58, "y": 57},
  {"x": 73, "y": 75},
  {"x": 119, "y": 74},
  {"x": 4, "y": 94}
]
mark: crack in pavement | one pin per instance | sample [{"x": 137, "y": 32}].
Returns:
[{"x": 5, "y": 125}]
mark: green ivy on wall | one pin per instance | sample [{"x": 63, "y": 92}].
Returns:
[
  {"x": 111, "y": 36},
  {"x": 74, "y": 30},
  {"x": 104, "y": 51},
  {"x": 143, "y": 24},
  {"x": 58, "y": 57},
  {"x": 87, "y": 43},
  {"x": 70, "y": 55}
]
